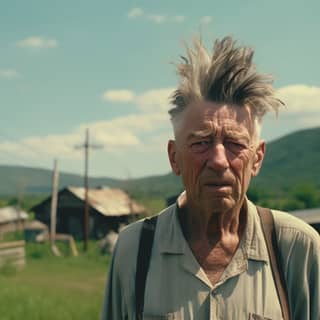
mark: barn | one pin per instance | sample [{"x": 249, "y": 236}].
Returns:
[{"x": 109, "y": 209}]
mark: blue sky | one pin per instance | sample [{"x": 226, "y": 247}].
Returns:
[{"x": 69, "y": 65}]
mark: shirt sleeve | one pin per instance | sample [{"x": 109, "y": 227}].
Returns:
[
  {"x": 300, "y": 252},
  {"x": 112, "y": 303}
]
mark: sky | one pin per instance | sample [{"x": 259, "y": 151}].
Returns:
[{"x": 108, "y": 66}]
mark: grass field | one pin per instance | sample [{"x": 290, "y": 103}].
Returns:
[{"x": 49, "y": 287}]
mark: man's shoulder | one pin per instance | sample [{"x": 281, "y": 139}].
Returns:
[
  {"x": 292, "y": 229},
  {"x": 299, "y": 251},
  {"x": 129, "y": 236},
  {"x": 134, "y": 228},
  {"x": 126, "y": 249}
]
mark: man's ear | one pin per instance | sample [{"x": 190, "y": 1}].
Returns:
[
  {"x": 172, "y": 154},
  {"x": 258, "y": 158}
]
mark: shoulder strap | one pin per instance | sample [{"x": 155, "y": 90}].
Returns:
[
  {"x": 143, "y": 262},
  {"x": 267, "y": 223}
]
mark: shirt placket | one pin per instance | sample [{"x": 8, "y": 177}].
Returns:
[{"x": 213, "y": 309}]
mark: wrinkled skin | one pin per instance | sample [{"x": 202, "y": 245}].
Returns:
[{"x": 216, "y": 154}]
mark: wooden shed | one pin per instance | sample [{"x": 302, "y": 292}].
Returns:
[
  {"x": 12, "y": 219},
  {"x": 13, "y": 253},
  {"x": 109, "y": 209}
]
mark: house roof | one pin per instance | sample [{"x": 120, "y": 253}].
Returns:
[
  {"x": 109, "y": 202},
  {"x": 11, "y": 214},
  {"x": 311, "y": 216}
]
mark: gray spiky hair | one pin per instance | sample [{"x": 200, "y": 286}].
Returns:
[{"x": 228, "y": 76}]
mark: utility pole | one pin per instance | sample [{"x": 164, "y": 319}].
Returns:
[
  {"x": 86, "y": 222},
  {"x": 19, "y": 224},
  {"x": 128, "y": 182},
  {"x": 54, "y": 202}
]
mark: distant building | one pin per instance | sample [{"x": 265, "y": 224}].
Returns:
[
  {"x": 12, "y": 219},
  {"x": 109, "y": 210},
  {"x": 34, "y": 228},
  {"x": 310, "y": 216}
]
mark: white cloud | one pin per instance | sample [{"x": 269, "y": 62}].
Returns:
[
  {"x": 157, "y": 18},
  {"x": 37, "y": 43},
  {"x": 144, "y": 131},
  {"x": 206, "y": 20},
  {"x": 154, "y": 100},
  {"x": 135, "y": 13},
  {"x": 120, "y": 95},
  {"x": 9, "y": 74},
  {"x": 138, "y": 13},
  {"x": 309, "y": 120},
  {"x": 118, "y": 134},
  {"x": 124, "y": 132},
  {"x": 178, "y": 19},
  {"x": 38, "y": 148},
  {"x": 300, "y": 98}
]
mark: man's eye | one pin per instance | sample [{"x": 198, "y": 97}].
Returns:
[
  {"x": 234, "y": 146},
  {"x": 200, "y": 146}
]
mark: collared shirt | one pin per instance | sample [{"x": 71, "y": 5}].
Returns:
[{"x": 178, "y": 288}]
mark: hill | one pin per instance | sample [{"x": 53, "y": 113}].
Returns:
[
  {"x": 26, "y": 180},
  {"x": 290, "y": 161},
  {"x": 18, "y": 179}
]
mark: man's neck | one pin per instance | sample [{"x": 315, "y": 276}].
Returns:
[{"x": 212, "y": 227}]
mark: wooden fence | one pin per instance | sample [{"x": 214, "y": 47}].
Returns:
[{"x": 13, "y": 253}]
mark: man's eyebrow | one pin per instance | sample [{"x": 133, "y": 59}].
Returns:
[
  {"x": 232, "y": 133},
  {"x": 199, "y": 134}
]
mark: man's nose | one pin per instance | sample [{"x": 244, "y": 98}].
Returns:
[{"x": 217, "y": 159}]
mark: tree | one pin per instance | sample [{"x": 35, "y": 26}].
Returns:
[{"x": 308, "y": 194}]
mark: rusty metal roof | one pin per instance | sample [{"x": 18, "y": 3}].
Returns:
[
  {"x": 11, "y": 214},
  {"x": 109, "y": 202}
]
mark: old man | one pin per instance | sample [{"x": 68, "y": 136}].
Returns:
[{"x": 208, "y": 255}]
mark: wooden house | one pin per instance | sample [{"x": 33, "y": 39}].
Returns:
[{"x": 109, "y": 209}]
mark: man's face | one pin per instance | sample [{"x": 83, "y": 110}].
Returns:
[{"x": 216, "y": 155}]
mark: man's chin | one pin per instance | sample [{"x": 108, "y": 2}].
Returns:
[{"x": 219, "y": 204}]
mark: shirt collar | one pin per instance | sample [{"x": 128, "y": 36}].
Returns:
[
  {"x": 252, "y": 243},
  {"x": 171, "y": 239}
]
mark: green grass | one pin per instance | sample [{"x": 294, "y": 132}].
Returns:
[{"x": 54, "y": 287}]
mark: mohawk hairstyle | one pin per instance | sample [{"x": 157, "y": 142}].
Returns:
[{"x": 228, "y": 76}]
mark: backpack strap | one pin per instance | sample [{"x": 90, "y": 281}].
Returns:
[
  {"x": 268, "y": 227},
  {"x": 143, "y": 262}
]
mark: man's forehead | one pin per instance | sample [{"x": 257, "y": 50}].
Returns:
[
  {"x": 223, "y": 111},
  {"x": 202, "y": 116},
  {"x": 238, "y": 132}
]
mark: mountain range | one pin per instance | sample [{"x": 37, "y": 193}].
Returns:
[{"x": 290, "y": 161}]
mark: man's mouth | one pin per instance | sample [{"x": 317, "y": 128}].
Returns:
[
  {"x": 218, "y": 187},
  {"x": 218, "y": 183}
]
